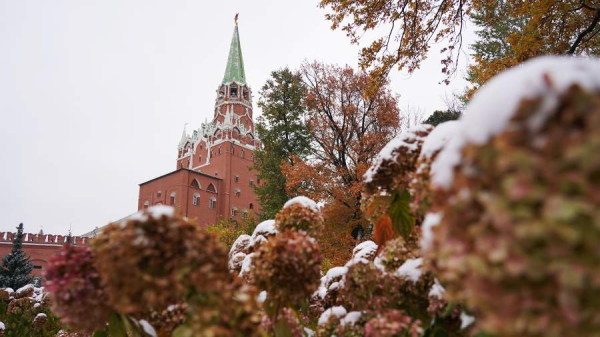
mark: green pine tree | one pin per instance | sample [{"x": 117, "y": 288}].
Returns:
[
  {"x": 16, "y": 268},
  {"x": 439, "y": 117},
  {"x": 283, "y": 135}
]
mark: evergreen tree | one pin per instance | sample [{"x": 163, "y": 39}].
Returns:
[
  {"x": 16, "y": 268},
  {"x": 439, "y": 117},
  {"x": 283, "y": 134}
]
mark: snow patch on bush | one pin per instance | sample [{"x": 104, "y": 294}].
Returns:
[
  {"x": 351, "y": 318},
  {"x": 389, "y": 151},
  {"x": 336, "y": 312},
  {"x": 304, "y": 201},
  {"x": 246, "y": 264},
  {"x": 438, "y": 138},
  {"x": 159, "y": 211},
  {"x": 431, "y": 220},
  {"x": 494, "y": 104},
  {"x": 437, "y": 290},
  {"x": 466, "y": 320},
  {"x": 410, "y": 269},
  {"x": 148, "y": 329},
  {"x": 25, "y": 289}
]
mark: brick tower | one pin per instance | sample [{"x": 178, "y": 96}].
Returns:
[{"x": 213, "y": 179}]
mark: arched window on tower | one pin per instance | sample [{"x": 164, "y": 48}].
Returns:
[
  {"x": 195, "y": 198},
  {"x": 251, "y": 206},
  {"x": 233, "y": 90},
  {"x": 195, "y": 184},
  {"x": 211, "y": 188},
  {"x": 172, "y": 201},
  {"x": 212, "y": 203},
  {"x": 242, "y": 154},
  {"x": 146, "y": 204}
]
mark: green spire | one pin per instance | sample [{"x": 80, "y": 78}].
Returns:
[{"x": 235, "y": 63}]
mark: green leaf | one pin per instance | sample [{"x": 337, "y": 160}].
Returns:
[
  {"x": 131, "y": 329},
  {"x": 181, "y": 331},
  {"x": 100, "y": 333},
  {"x": 283, "y": 329},
  {"x": 402, "y": 219},
  {"x": 115, "y": 326}
]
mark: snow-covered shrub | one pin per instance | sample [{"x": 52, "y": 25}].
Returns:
[
  {"x": 288, "y": 267},
  {"x": 386, "y": 194},
  {"x": 149, "y": 262},
  {"x": 419, "y": 186},
  {"x": 27, "y": 315},
  {"x": 519, "y": 194},
  {"x": 301, "y": 214},
  {"x": 397, "y": 251},
  {"x": 242, "y": 250},
  {"x": 398, "y": 157},
  {"x": 76, "y": 293}
]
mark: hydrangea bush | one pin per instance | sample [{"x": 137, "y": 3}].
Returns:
[
  {"x": 483, "y": 227},
  {"x": 26, "y": 312}
]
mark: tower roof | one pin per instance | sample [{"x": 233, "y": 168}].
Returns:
[{"x": 235, "y": 63}]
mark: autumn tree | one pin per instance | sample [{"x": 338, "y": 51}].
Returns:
[
  {"x": 283, "y": 134},
  {"x": 511, "y": 32},
  {"x": 406, "y": 29},
  {"x": 348, "y": 129}
]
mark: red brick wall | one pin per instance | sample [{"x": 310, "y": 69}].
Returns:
[{"x": 39, "y": 247}]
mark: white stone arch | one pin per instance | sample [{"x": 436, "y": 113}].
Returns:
[{"x": 196, "y": 199}]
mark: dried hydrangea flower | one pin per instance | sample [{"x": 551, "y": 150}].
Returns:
[
  {"x": 397, "y": 251},
  {"x": 39, "y": 320},
  {"x": 154, "y": 258},
  {"x": 288, "y": 267},
  {"x": 398, "y": 158},
  {"x": 168, "y": 319},
  {"x": 75, "y": 289},
  {"x": 393, "y": 323},
  {"x": 231, "y": 311},
  {"x": 4, "y": 295},
  {"x": 20, "y": 306},
  {"x": 301, "y": 214},
  {"x": 518, "y": 239}
]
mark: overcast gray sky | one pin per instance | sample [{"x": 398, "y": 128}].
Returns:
[{"x": 94, "y": 94}]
